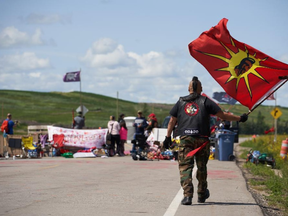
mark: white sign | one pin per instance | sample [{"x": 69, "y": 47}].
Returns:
[
  {"x": 79, "y": 137},
  {"x": 84, "y": 111}
]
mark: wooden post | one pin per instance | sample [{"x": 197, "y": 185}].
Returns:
[
  {"x": 117, "y": 108},
  {"x": 81, "y": 96}
]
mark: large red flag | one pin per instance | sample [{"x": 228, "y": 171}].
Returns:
[{"x": 244, "y": 72}]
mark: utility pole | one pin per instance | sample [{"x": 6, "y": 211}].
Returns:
[{"x": 117, "y": 105}]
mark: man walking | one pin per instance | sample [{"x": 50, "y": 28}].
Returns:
[{"x": 192, "y": 114}]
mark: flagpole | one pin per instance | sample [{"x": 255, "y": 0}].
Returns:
[
  {"x": 72, "y": 118},
  {"x": 267, "y": 96},
  {"x": 275, "y": 122},
  {"x": 117, "y": 105},
  {"x": 230, "y": 107},
  {"x": 81, "y": 95}
]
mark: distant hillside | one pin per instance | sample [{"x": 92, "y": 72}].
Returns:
[{"x": 55, "y": 108}]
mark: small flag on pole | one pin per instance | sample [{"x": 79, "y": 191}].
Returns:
[
  {"x": 271, "y": 97},
  {"x": 72, "y": 77}
]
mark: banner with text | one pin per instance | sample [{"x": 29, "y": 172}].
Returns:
[{"x": 79, "y": 138}]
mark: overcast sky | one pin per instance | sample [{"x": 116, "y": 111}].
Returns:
[{"x": 136, "y": 47}]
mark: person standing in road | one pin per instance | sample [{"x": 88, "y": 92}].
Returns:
[
  {"x": 152, "y": 123},
  {"x": 121, "y": 118},
  {"x": 123, "y": 138},
  {"x": 140, "y": 124},
  {"x": 11, "y": 124},
  {"x": 114, "y": 128},
  {"x": 79, "y": 121},
  {"x": 192, "y": 113},
  {"x": 10, "y": 131}
]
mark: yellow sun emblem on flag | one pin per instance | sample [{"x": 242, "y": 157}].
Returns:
[{"x": 240, "y": 65}]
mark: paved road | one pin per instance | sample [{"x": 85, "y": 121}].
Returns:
[{"x": 116, "y": 186}]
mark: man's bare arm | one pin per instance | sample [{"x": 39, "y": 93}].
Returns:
[
  {"x": 226, "y": 116},
  {"x": 171, "y": 125}
]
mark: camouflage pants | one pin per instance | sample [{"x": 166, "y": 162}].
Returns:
[{"x": 186, "y": 165}]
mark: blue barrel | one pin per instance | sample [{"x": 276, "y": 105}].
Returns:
[{"x": 226, "y": 145}]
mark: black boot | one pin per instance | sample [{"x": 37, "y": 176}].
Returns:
[
  {"x": 202, "y": 200},
  {"x": 186, "y": 201}
]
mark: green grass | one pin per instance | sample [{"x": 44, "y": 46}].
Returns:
[
  {"x": 55, "y": 108},
  {"x": 274, "y": 185}
]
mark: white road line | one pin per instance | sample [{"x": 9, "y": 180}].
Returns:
[{"x": 177, "y": 199}]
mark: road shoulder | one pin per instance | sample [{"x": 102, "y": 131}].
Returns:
[{"x": 258, "y": 195}]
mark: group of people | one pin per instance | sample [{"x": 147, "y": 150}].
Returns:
[
  {"x": 191, "y": 113},
  {"x": 119, "y": 131}
]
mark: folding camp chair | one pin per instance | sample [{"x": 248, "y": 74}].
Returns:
[{"x": 28, "y": 147}]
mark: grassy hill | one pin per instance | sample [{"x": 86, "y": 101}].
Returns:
[{"x": 55, "y": 108}]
